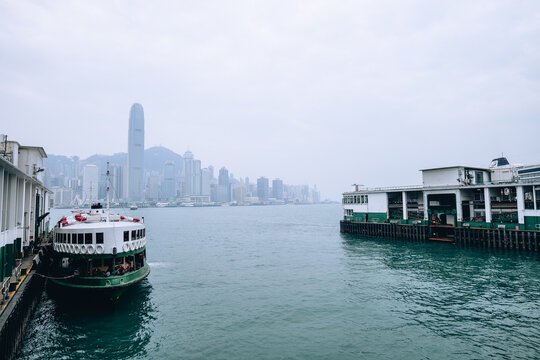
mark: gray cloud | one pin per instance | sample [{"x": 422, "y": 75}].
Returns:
[{"x": 313, "y": 92}]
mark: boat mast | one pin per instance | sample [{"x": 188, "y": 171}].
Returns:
[{"x": 108, "y": 194}]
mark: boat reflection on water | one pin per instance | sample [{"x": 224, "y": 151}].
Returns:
[{"x": 71, "y": 327}]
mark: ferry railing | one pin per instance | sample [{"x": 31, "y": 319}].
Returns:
[{"x": 5, "y": 290}]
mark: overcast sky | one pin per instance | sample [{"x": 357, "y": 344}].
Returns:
[{"x": 319, "y": 92}]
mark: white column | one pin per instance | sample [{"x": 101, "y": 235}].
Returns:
[
  {"x": 459, "y": 207},
  {"x": 22, "y": 202},
  {"x": 487, "y": 202},
  {"x": 520, "y": 204},
  {"x": 534, "y": 197},
  {"x": 13, "y": 202},
  {"x": 426, "y": 218},
  {"x": 404, "y": 199}
]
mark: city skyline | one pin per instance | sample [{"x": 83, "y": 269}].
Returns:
[{"x": 164, "y": 183}]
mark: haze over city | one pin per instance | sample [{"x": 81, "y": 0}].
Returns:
[{"x": 317, "y": 92}]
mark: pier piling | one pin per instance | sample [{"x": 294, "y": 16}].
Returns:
[{"x": 510, "y": 239}]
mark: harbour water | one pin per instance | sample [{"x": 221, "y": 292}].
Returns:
[{"x": 281, "y": 282}]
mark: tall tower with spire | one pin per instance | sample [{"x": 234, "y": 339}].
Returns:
[{"x": 136, "y": 153}]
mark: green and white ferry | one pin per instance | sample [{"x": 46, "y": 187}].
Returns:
[{"x": 98, "y": 254}]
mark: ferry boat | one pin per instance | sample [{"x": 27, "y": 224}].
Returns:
[
  {"x": 133, "y": 207},
  {"x": 502, "y": 196},
  {"x": 98, "y": 254}
]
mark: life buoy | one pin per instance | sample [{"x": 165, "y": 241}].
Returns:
[
  {"x": 83, "y": 249},
  {"x": 125, "y": 247},
  {"x": 90, "y": 249},
  {"x": 99, "y": 249},
  {"x": 132, "y": 246},
  {"x": 77, "y": 249},
  {"x": 72, "y": 248}
]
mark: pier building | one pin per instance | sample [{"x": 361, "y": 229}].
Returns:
[
  {"x": 502, "y": 199},
  {"x": 24, "y": 201}
]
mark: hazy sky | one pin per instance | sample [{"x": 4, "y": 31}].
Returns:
[{"x": 320, "y": 92}]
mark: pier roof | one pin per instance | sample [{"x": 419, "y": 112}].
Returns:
[{"x": 456, "y": 166}]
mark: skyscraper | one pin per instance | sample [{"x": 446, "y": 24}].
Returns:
[
  {"x": 262, "y": 188},
  {"x": 136, "y": 153},
  {"x": 277, "y": 189},
  {"x": 188, "y": 173},
  {"x": 90, "y": 183},
  {"x": 197, "y": 177},
  {"x": 118, "y": 175},
  {"x": 169, "y": 185},
  {"x": 223, "y": 190},
  {"x": 206, "y": 181}
]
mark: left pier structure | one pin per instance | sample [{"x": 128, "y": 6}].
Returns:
[{"x": 24, "y": 224}]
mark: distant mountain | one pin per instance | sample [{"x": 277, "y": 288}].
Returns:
[
  {"x": 56, "y": 164},
  {"x": 155, "y": 157},
  {"x": 101, "y": 160},
  {"x": 154, "y": 160}
]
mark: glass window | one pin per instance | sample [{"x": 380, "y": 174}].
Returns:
[
  {"x": 88, "y": 238},
  {"x": 79, "y": 238},
  {"x": 133, "y": 234},
  {"x": 479, "y": 177},
  {"x": 126, "y": 235},
  {"x": 366, "y": 199},
  {"x": 99, "y": 238}
]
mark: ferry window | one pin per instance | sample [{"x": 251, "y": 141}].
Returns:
[
  {"x": 479, "y": 177},
  {"x": 366, "y": 199},
  {"x": 79, "y": 238},
  {"x": 88, "y": 238},
  {"x": 99, "y": 238},
  {"x": 362, "y": 199},
  {"x": 126, "y": 235},
  {"x": 143, "y": 232},
  {"x": 133, "y": 234}
]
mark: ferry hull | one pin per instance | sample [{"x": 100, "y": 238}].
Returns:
[{"x": 108, "y": 289}]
